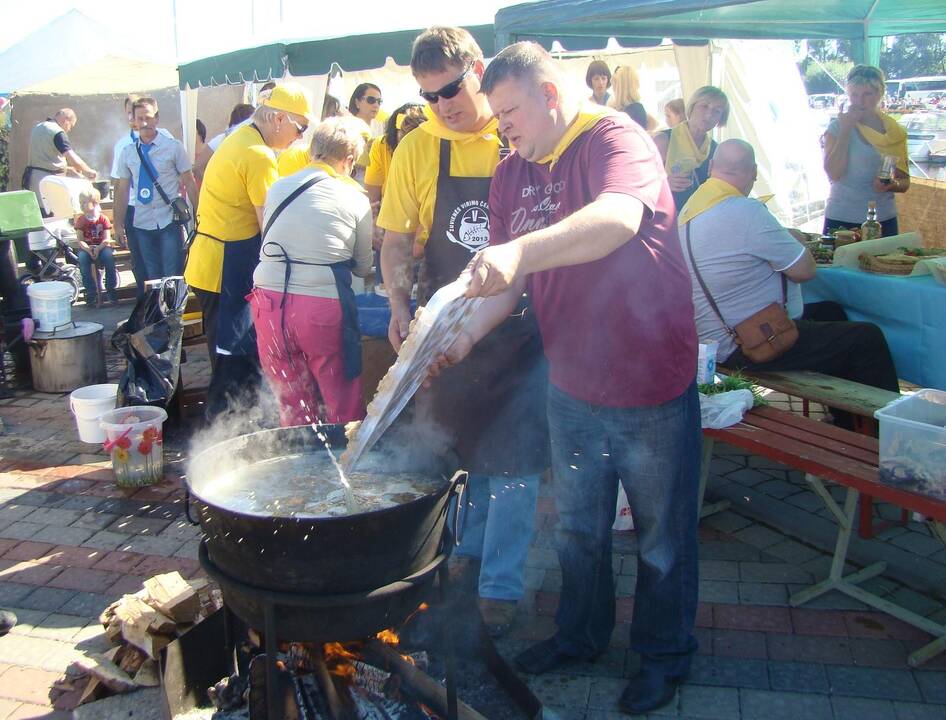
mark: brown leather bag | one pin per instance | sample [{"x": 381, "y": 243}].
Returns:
[
  {"x": 763, "y": 336},
  {"x": 767, "y": 334}
]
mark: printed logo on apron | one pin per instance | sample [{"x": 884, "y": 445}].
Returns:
[{"x": 469, "y": 225}]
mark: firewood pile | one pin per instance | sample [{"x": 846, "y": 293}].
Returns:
[{"x": 139, "y": 626}]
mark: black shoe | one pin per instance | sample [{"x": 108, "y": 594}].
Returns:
[
  {"x": 545, "y": 656},
  {"x": 648, "y": 691},
  {"x": 7, "y": 621}
]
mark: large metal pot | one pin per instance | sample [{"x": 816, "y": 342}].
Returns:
[
  {"x": 68, "y": 358},
  {"x": 323, "y": 556}
]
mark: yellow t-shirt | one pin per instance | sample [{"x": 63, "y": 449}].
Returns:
[
  {"x": 236, "y": 181},
  {"x": 379, "y": 162},
  {"x": 410, "y": 192},
  {"x": 293, "y": 159}
]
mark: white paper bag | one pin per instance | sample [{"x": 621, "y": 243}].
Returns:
[{"x": 623, "y": 519}]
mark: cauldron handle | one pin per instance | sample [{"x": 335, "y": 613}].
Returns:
[
  {"x": 187, "y": 508},
  {"x": 458, "y": 487}
]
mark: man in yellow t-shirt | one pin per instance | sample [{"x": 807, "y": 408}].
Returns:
[
  {"x": 226, "y": 247},
  {"x": 436, "y": 194}
]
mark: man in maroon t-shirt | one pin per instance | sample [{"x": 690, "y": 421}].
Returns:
[{"x": 581, "y": 216}]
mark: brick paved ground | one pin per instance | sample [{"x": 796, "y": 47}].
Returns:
[{"x": 71, "y": 542}]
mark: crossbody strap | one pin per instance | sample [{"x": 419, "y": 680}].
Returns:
[
  {"x": 146, "y": 164},
  {"x": 709, "y": 295},
  {"x": 289, "y": 198}
]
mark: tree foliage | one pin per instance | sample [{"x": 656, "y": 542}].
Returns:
[
  {"x": 913, "y": 55},
  {"x": 902, "y": 56}
]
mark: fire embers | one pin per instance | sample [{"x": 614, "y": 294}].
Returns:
[{"x": 334, "y": 681}]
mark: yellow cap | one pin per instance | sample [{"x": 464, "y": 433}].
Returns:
[{"x": 289, "y": 97}]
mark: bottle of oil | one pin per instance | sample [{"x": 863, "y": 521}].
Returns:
[{"x": 870, "y": 229}]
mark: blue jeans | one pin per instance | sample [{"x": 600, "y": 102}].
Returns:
[
  {"x": 137, "y": 261},
  {"x": 106, "y": 260},
  {"x": 497, "y": 528},
  {"x": 162, "y": 250},
  {"x": 655, "y": 453}
]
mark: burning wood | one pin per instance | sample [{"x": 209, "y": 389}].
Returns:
[{"x": 139, "y": 625}]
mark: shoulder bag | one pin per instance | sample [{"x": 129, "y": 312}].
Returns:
[
  {"x": 763, "y": 336},
  {"x": 180, "y": 212}
]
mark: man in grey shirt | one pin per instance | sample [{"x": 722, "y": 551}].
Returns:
[
  {"x": 159, "y": 237},
  {"x": 742, "y": 253}
]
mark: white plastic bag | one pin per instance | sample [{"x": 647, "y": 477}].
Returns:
[
  {"x": 623, "y": 519},
  {"x": 724, "y": 409}
]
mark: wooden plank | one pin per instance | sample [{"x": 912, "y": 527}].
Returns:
[
  {"x": 825, "y": 464},
  {"x": 833, "y": 432},
  {"x": 848, "y": 395},
  {"x": 810, "y": 436}
]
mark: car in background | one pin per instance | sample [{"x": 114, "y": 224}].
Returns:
[
  {"x": 926, "y": 136},
  {"x": 822, "y": 101}
]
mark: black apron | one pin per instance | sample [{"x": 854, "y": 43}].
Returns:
[
  {"x": 235, "y": 332},
  {"x": 341, "y": 271},
  {"x": 493, "y": 403}
]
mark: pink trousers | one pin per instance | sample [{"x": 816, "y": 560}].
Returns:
[{"x": 304, "y": 368}]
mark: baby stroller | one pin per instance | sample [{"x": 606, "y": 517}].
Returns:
[{"x": 47, "y": 248}]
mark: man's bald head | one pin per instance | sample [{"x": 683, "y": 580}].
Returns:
[
  {"x": 734, "y": 162},
  {"x": 66, "y": 118}
]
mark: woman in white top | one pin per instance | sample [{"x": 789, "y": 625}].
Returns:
[{"x": 317, "y": 233}]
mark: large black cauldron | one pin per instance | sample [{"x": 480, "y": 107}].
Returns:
[{"x": 320, "y": 556}]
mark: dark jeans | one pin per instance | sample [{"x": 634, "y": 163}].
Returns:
[
  {"x": 137, "y": 260},
  {"x": 655, "y": 453},
  {"x": 887, "y": 227},
  {"x": 162, "y": 250},
  {"x": 850, "y": 350},
  {"x": 105, "y": 260},
  {"x": 209, "y": 304},
  {"x": 234, "y": 379}
]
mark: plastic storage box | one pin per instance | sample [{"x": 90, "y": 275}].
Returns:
[{"x": 913, "y": 443}]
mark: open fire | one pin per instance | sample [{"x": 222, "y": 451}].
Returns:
[{"x": 362, "y": 679}]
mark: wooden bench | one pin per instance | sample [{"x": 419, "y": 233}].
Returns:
[
  {"x": 825, "y": 452},
  {"x": 862, "y": 401}
]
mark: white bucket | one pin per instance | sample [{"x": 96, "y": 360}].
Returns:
[
  {"x": 88, "y": 404},
  {"x": 50, "y": 304}
]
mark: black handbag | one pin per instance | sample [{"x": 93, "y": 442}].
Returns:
[{"x": 180, "y": 211}]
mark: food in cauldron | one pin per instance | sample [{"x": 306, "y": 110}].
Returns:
[{"x": 307, "y": 485}]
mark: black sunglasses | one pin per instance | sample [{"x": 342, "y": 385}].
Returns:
[
  {"x": 372, "y": 100},
  {"x": 448, "y": 91}
]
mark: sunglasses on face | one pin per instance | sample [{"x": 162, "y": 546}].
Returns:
[
  {"x": 372, "y": 100},
  {"x": 448, "y": 91},
  {"x": 300, "y": 129}
]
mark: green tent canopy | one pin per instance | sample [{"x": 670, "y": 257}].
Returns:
[
  {"x": 267, "y": 62},
  {"x": 592, "y": 22},
  {"x": 312, "y": 57}
]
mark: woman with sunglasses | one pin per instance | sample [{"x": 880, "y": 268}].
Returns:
[
  {"x": 365, "y": 104},
  {"x": 865, "y": 157}
]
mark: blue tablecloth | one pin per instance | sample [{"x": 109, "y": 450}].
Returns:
[
  {"x": 374, "y": 314},
  {"x": 911, "y": 311}
]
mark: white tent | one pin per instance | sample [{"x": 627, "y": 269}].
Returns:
[
  {"x": 760, "y": 77},
  {"x": 74, "y": 55}
]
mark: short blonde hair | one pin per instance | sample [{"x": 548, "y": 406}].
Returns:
[
  {"x": 625, "y": 87},
  {"x": 710, "y": 92},
  {"x": 90, "y": 195},
  {"x": 868, "y": 75},
  {"x": 336, "y": 138}
]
